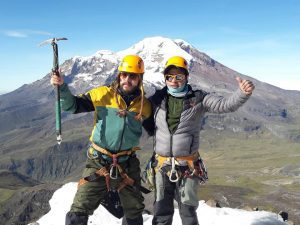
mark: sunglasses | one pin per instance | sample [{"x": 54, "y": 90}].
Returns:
[
  {"x": 177, "y": 77},
  {"x": 132, "y": 76}
]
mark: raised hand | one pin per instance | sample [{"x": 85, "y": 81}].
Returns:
[
  {"x": 56, "y": 80},
  {"x": 245, "y": 85}
]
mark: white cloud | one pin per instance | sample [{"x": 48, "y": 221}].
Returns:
[
  {"x": 38, "y": 32},
  {"x": 16, "y": 34},
  {"x": 24, "y": 33}
]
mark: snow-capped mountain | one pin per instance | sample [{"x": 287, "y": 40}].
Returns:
[
  {"x": 155, "y": 52},
  {"x": 101, "y": 67}
]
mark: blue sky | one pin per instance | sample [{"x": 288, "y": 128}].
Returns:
[{"x": 259, "y": 38}]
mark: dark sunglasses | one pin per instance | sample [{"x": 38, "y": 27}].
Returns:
[
  {"x": 177, "y": 77},
  {"x": 132, "y": 76}
]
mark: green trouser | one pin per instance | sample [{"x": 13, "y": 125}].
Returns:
[{"x": 89, "y": 195}]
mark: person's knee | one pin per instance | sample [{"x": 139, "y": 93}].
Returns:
[
  {"x": 132, "y": 203},
  {"x": 76, "y": 218},
  {"x": 163, "y": 207},
  {"x": 188, "y": 215},
  {"x": 133, "y": 221},
  {"x": 188, "y": 210},
  {"x": 133, "y": 214}
]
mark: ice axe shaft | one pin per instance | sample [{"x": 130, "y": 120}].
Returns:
[{"x": 55, "y": 70}]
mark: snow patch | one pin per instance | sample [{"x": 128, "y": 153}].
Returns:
[
  {"x": 62, "y": 199},
  {"x": 156, "y": 46}
]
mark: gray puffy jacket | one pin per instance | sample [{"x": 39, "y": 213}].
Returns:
[{"x": 185, "y": 140}]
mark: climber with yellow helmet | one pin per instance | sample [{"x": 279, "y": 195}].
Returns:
[
  {"x": 112, "y": 173},
  {"x": 176, "y": 167}
]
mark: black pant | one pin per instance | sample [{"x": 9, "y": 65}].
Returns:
[
  {"x": 164, "y": 209},
  {"x": 75, "y": 218}
]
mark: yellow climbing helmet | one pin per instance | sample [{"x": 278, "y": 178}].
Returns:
[
  {"x": 132, "y": 64},
  {"x": 176, "y": 61}
]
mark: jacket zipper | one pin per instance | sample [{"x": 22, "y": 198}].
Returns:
[
  {"x": 123, "y": 130},
  {"x": 171, "y": 133}
]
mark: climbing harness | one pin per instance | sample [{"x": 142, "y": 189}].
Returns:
[
  {"x": 182, "y": 166},
  {"x": 113, "y": 170}
]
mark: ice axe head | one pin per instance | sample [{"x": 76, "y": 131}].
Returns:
[{"x": 53, "y": 42}]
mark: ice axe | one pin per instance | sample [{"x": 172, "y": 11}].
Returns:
[{"x": 55, "y": 70}]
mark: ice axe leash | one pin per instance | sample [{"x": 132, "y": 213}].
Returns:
[{"x": 55, "y": 70}]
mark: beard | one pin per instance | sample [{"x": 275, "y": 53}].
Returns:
[{"x": 128, "y": 88}]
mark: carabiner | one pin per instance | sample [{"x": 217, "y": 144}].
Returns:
[
  {"x": 173, "y": 177},
  {"x": 114, "y": 165},
  {"x": 111, "y": 172}
]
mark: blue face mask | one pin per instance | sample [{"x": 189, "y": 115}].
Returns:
[{"x": 178, "y": 92}]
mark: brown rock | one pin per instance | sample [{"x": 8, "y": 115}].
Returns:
[
  {"x": 213, "y": 203},
  {"x": 247, "y": 208}
]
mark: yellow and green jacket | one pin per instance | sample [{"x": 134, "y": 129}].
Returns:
[{"x": 110, "y": 131}]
